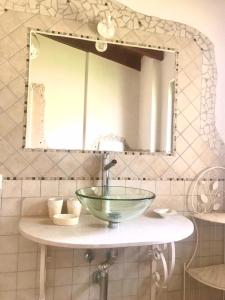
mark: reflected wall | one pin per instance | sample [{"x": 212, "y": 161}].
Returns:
[{"x": 112, "y": 101}]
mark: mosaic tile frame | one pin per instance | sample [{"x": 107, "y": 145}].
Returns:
[
  {"x": 193, "y": 153},
  {"x": 111, "y": 41}
]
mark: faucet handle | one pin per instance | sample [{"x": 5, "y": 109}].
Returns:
[{"x": 110, "y": 165}]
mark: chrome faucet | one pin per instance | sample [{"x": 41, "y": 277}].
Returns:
[{"x": 106, "y": 165}]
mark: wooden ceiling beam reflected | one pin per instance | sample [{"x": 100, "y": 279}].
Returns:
[{"x": 125, "y": 55}]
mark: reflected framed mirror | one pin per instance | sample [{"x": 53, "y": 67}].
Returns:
[{"x": 85, "y": 94}]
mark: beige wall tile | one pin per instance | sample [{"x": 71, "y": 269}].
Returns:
[
  {"x": 133, "y": 183},
  {"x": 177, "y": 188},
  {"x": 9, "y": 295},
  {"x": 67, "y": 188},
  {"x": 63, "y": 276},
  {"x": 12, "y": 188},
  {"x": 174, "y": 296},
  {"x": 7, "y": 98},
  {"x": 176, "y": 203},
  {"x": 64, "y": 258},
  {"x": 27, "y": 261},
  {"x": 9, "y": 244},
  {"x": 81, "y": 291},
  {"x": 131, "y": 254},
  {"x": 163, "y": 187},
  {"x": 8, "y": 263},
  {"x": 62, "y": 293},
  {"x": 131, "y": 270},
  {"x": 130, "y": 287},
  {"x": 115, "y": 288},
  {"x": 26, "y": 245},
  {"x": 148, "y": 185},
  {"x": 26, "y": 280},
  {"x": 7, "y": 281},
  {"x": 84, "y": 183},
  {"x": 113, "y": 182},
  {"x": 144, "y": 269},
  {"x": 81, "y": 275},
  {"x": 10, "y": 207},
  {"x": 144, "y": 287},
  {"x": 34, "y": 207},
  {"x": 175, "y": 283},
  {"x": 31, "y": 188},
  {"x": 49, "y": 188},
  {"x": 50, "y": 278},
  {"x": 8, "y": 225},
  {"x": 117, "y": 272},
  {"x": 26, "y": 294},
  {"x": 16, "y": 163},
  {"x": 160, "y": 202}
]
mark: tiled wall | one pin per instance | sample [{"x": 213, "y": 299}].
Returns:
[
  {"x": 197, "y": 146},
  {"x": 69, "y": 276}
]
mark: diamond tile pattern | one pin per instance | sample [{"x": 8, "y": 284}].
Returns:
[{"x": 193, "y": 110}]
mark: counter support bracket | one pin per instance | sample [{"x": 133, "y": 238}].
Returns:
[
  {"x": 42, "y": 278},
  {"x": 158, "y": 257}
]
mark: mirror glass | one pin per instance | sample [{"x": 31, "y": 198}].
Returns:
[{"x": 89, "y": 95}]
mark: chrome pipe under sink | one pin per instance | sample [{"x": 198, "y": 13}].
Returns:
[{"x": 101, "y": 275}]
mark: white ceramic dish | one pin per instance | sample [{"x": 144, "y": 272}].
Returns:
[
  {"x": 65, "y": 219},
  {"x": 163, "y": 212}
]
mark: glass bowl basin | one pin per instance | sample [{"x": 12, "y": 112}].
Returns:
[{"x": 115, "y": 203}]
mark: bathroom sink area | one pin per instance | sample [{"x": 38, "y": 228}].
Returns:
[{"x": 115, "y": 204}]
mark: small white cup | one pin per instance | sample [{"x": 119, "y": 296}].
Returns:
[
  {"x": 54, "y": 206},
  {"x": 74, "y": 206}
]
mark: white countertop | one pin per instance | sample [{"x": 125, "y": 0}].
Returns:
[{"x": 94, "y": 233}]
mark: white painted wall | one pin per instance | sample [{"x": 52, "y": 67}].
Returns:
[
  {"x": 154, "y": 123},
  {"x": 145, "y": 103},
  {"x": 61, "y": 69},
  {"x": 150, "y": 94},
  {"x": 207, "y": 16},
  {"x": 112, "y": 101},
  {"x": 167, "y": 75}
]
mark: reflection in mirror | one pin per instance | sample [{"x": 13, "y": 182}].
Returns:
[{"x": 118, "y": 99}]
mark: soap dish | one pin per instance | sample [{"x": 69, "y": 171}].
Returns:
[
  {"x": 163, "y": 212},
  {"x": 65, "y": 219}
]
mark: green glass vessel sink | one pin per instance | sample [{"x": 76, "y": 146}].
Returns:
[{"x": 115, "y": 204}]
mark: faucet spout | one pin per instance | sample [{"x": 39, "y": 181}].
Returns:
[{"x": 106, "y": 165}]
